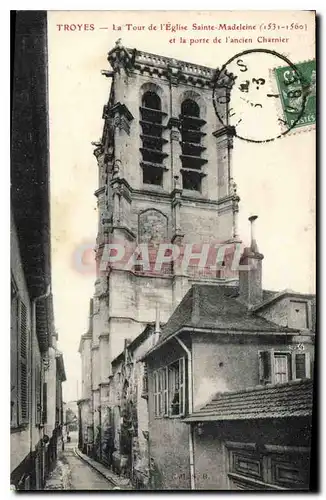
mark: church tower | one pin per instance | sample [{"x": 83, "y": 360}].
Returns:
[{"x": 165, "y": 175}]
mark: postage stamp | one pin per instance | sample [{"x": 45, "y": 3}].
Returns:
[{"x": 291, "y": 88}]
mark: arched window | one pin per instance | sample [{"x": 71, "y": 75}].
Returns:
[
  {"x": 190, "y": 108},
  {"x": 151, "y": 100},
  {"x": 191, "y": 137},
  {"x": 152, "y": 140}
]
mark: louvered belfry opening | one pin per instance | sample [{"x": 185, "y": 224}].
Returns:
[
  {"x": 191, "y": 145},
  {"x": 152, "y": 139}
]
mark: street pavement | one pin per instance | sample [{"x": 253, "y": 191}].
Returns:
[{"x": 73, "y": 473}]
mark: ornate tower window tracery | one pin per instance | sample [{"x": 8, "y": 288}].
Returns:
[
  {"x": 152, "y": 140},
  {"x": 191, "y": 146}
]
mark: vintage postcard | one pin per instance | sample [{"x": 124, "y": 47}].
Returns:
[{"x": 163, "y": 306}]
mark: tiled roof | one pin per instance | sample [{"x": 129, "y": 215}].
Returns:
[
  {"x": 148, "y": 330},
  {"x": 211, "y": 306},
  {"x": 293, "y": 399}
]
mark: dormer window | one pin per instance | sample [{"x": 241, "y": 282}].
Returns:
[
  {"x": 298, "y": 314},
  {"x": 152, "y": 140},
  {"x": 191, "y": 147}
]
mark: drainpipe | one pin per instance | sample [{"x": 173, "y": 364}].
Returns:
[
  {"x": 190, "y": 399},
  {"x": 157, "y": 330},
  {"x": 31, "y": 371}
]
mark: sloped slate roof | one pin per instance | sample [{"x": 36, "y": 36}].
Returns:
[
  {"x": 293, "y": 399},
  {"x": 211, "y": 306}
]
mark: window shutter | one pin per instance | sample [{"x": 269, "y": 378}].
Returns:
[
  {"x": 23, "y": 353},
  {"x": 45, "y": 403},
  {"x": 156, "y": 408},
  {"x": 182, "y": 385},
  {"x": 160, "y": 393},
  {"x": 265, "y": 367},
  {"x": 38, "y": 395},
  {"x": 301, "y": 365},
  {"x": 165, "y": 391}
]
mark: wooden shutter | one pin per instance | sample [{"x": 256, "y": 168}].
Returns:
[
  {"x": 301, "y": 365},
  {"x": 182, "y": 386},
  {"x": 160, "y": 392},
  {"x": 156, "y": 404},
  {"x": 23, "y": 366},
  {"x": 265, "y": 367},
  {"x": 38, "y": 394},
  {"x": 165, "y": 391},
  {"x": 45, "y": 403},
  {"x": 282, "y": 367}
]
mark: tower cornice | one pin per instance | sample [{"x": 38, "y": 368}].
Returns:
[
  {"x": 169, "y": 65},
  {"x": 174, "y": 70}
]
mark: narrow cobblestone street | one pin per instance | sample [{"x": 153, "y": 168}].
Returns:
[{"x": 72, "y": 473}]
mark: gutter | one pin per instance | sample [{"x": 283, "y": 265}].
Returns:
[
  {"x": 190, "y": 399},
  {"x": 193, "y": 329}
]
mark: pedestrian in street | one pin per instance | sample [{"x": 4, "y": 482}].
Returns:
[
  {"x": 155, "y": 475},
  {"x": 109, "y": 448}
]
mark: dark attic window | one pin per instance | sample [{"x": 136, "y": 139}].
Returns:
[{"x": 152, "y": 175}]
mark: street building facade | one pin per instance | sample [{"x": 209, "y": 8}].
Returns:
[
  {"x": 37, "y": 367},
  {"x": 230, "y": 388},
  {"x": 166, "y": 341}
]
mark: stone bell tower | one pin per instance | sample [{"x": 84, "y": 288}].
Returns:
[{"x": 165, "y": 175}]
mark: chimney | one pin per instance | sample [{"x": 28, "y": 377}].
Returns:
[{"x": 250, "y": 279}]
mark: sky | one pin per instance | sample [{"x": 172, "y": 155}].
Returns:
[{"x": 275, "y": 180}]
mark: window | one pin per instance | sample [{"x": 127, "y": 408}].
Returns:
[
  {"x": 191, "y": 181},
  {"x": 280, "y": 367},
  {"x": 298, "y": 317},
  {"x": 301, "y": 365},
  {"x": 175, "y": 388},
  {"x": 169, "y": 390},
  {"x": 19, "y": 359},
  {"x": 160, "y": 393},
  {"x": 152, "y": 139},
  {"x": 191, "y": 147},
  {"x": 190, "y": 108},
  {"x": 152, "y": 175},
  {"x": 271, "y": 468}
]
